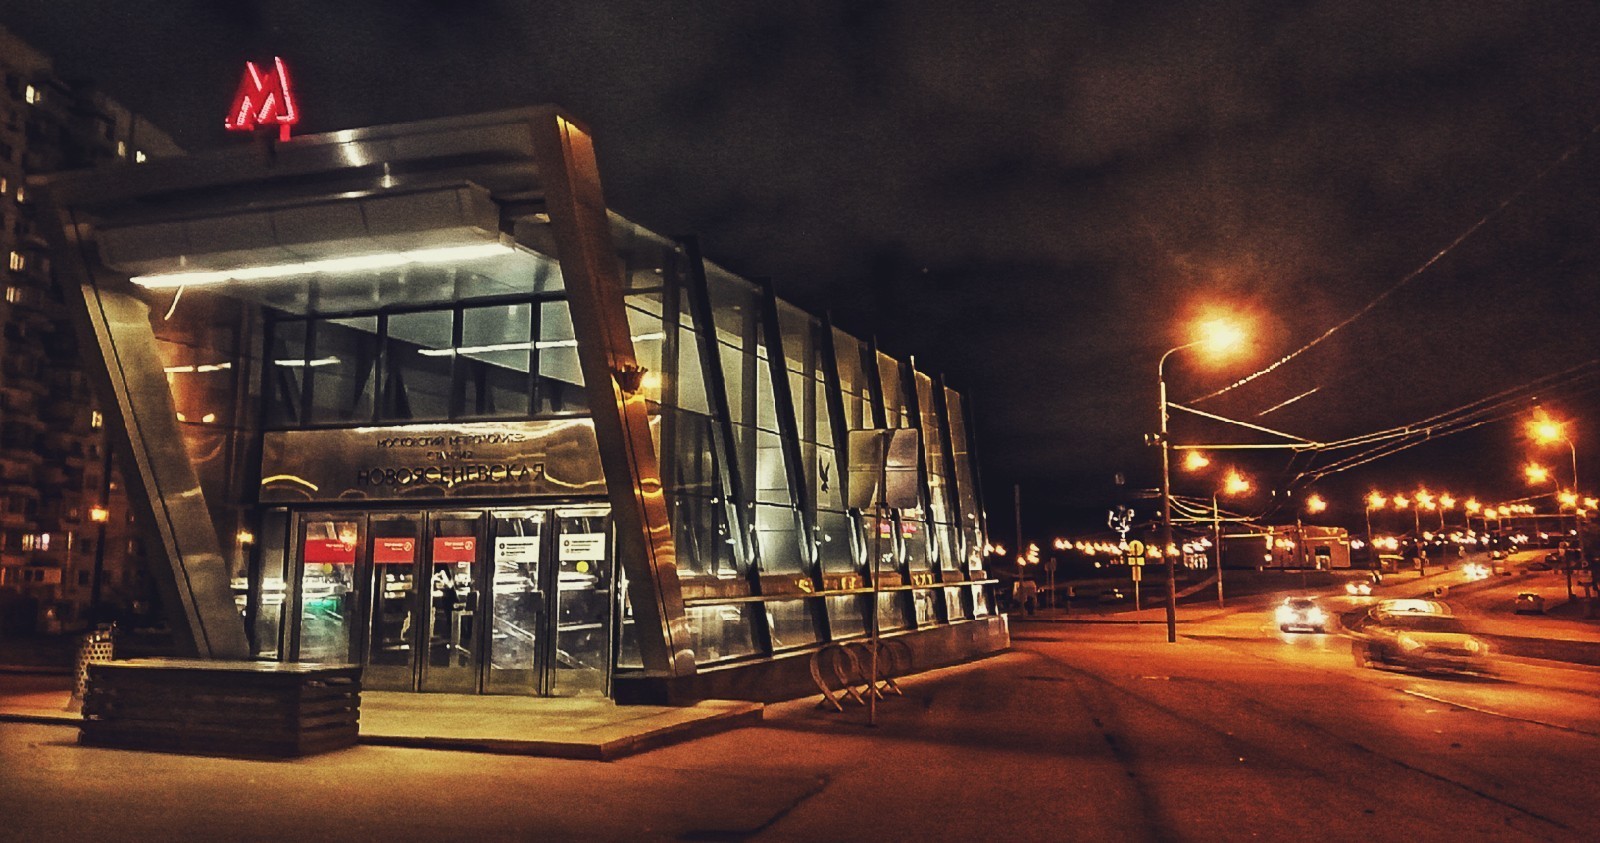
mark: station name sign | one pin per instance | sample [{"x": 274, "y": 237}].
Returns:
[{"x": 497, "y": 459}]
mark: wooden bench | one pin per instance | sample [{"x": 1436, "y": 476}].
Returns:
[{"x": 243, "y": 709}]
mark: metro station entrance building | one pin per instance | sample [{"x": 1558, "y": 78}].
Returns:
[{"x": 412, "y": 397}]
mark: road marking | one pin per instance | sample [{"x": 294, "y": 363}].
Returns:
[{"x": 1493, "y": 713}]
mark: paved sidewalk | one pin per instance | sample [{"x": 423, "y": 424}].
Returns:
[{"x": 573, "y": 727}]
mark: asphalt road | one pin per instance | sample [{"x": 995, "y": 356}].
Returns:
[{"x": 1082, "y": 732}]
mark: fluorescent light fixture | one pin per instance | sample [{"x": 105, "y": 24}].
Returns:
[
  {"x": 522, "y": 346},
  {"x": 355, "y": 263},
  {"x": 300, "y": 364}
]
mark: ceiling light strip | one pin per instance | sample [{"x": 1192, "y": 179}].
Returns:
[{"x": 354, "y": 263}]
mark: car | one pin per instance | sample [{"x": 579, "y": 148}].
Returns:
[
  {"x": 1418, "y": 635},
  {"x": 1111, "y": 595},
  {"x": 1358, "y": 588},
  {"x": 1301, "y": 613},
  {"x": 1475, "y": 571},
  {"x": 1529, "y": 603}
]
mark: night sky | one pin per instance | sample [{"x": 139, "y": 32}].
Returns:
[{"x": 1036, "y": 198}]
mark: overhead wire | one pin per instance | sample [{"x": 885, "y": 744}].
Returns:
[{"x": 1412, "y": 275}]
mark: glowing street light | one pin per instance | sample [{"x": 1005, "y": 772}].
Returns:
[
  {"x": 1194, "y": 461},
  {"x": 1315, "y": 504},
  {"x": 1375, "y": 500},
  {"x": 1233, "y": 483},
  {"x": 1548, "y": 431},
  {"x": 1536, "y": 473},
  {"x": 1218, "y": 337}
]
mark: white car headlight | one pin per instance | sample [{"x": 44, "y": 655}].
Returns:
[
  {"x": 1315, "y": 616},
  {"x": 1408, "y": 643}
]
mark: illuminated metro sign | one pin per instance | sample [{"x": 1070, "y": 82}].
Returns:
[{"x": 265, "y": 98}]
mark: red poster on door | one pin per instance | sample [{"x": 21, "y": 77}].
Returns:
[
  {"x": 448, "y": 549},
  {"x": 329, "y": 552},
  {"x": 393, "y": 551}
]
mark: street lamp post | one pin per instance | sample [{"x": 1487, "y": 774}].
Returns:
[{"x": 1220, "y": 337}]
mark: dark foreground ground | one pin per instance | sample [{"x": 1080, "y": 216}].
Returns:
[{"x": 1085, "y": 731}]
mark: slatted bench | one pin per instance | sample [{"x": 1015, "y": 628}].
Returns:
[{"x": 241, "y": 709}]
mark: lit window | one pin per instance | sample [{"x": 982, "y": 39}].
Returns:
[
  {"x": 22, "y": 194},
  {"x": 13, "y": 294},
  {"x": 5, "y": 186},
  {"x": 96, "y": 421},
  {"x": 31, "y": 94},
  {"x": 138, "y": 156},
  {"x": 122, "y": 149},
  {"x": 17, "y": 262}
]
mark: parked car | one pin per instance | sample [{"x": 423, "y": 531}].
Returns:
[
  {"x": 1301, "y": 613},
  {"x": 1358, "y": 588},
  {"x": 1529, "y": 603},
  {"x": 1111, "y": 595},
  {"x": 1420, "y": 635}
]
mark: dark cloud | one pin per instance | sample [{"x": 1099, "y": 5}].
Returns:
[{"x": 1032, "y": 197}]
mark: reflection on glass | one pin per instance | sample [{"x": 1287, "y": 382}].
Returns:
[
  {"x": 560, "y": 384},
  {"x": 492, "y": 365},
  {"x": 270, "y": 586},
  {"x": 328, "y": 554},
  {"x": 791, "y": 623},
  {"x": 518, "y": 603},
  {"x": 342, "y": 367},
  {"x": 452, "y": 593},
  {"x": 720, "y": 632},
  {"x": 394, "y": 557},
  {"x": 417, "y": 383},
  {"x": 583, "y": 604},
  {"x": 847, "y": 615}
]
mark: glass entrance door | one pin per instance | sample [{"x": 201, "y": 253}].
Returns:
[
  {"x": 393, "y": 627},
  {"x": 325, "y": 592},
  {"x": 519, "y": 605},
  {"x": 582, "y": 653},
  {"x": 454, "y": 573},
  {"x": 504, "y": 601}
]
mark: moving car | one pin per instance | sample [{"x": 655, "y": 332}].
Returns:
[
  {"x": 1475, "y": 571},
  {"x": 1112, "y": 595},
  {"x": 1301, "y": 613},
  {"x": 1529, "y": 603},
  {"x": 1358, "y": 588},
  {"x": 1418, "y": 635}
]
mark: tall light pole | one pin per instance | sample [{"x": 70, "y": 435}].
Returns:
[
  {"x": 1220, "y": 337},
  {"x": 1374, "y": 501},
  {"x": 1233, "y": 483}
]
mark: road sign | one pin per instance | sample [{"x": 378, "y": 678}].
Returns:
[
  {"x": 1138, "y": 571},
  {"x": 1136, "y": 548}
]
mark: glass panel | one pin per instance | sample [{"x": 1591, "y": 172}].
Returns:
[
  {"x": 922, "y": 603},
  {"x": 560, "y": 384},
  {"x": 847, "y": 615},
  {"x": 285, "y": 370},
  {"x": 270, "y": 584},
  {"x": 893, "y": 391},
  {"x": 982, "y": 603},
  {"x": 342, "y": 367},
  {"x": 834, "y": 548},
  {"x": 583, "y": 599},
  {"x": 792, "y": 623},
  {"x": 721, "y": 632},
  {"x": 518, "y": 604},
  {"x": 892, "y": 610},
  {"x": 421, "y": 353},
  {"x": 392, "y": 629},
  {"x": 955, "y": 607},
  {"x": 452, "y": 583},
  {"x": 493, "y": 361},
  {"x": 327, "y": 578}
]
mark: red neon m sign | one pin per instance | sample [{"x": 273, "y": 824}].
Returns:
[{"x": 263, "y": 99}]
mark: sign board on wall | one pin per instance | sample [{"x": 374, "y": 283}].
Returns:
[
  {"x": 438, "y": 461},
  {"x": 394, "y": 551},
  {"x": 517, "y": 550},
  {"x": 583, "y": 547}
]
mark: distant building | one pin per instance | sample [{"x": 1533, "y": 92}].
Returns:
[{"x": 65, "y": 532}]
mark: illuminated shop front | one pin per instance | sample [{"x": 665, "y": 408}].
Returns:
[{"x": 412, "y": 397}]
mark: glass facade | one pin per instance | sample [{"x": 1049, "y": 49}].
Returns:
[{"x": 454, "y": 586}]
